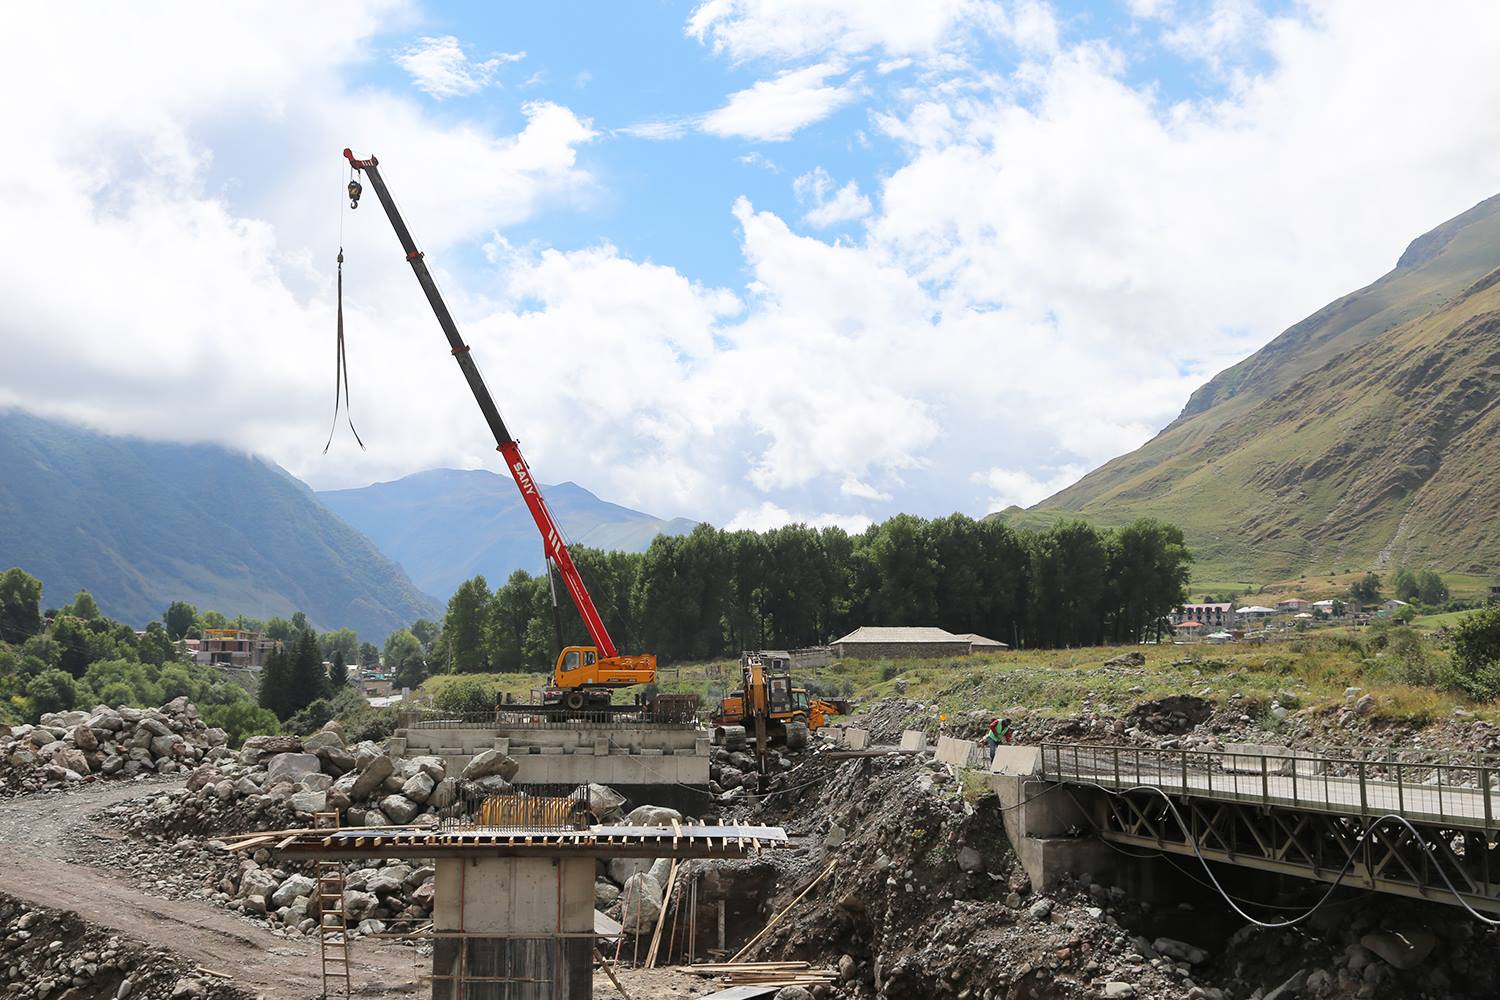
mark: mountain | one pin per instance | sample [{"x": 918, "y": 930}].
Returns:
[
  {"x": 140, "y": 524},
  {"x": 1362, "y": 437},
  {"x": 446, "y": 525}
]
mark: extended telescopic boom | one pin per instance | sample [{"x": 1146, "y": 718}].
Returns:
[{"x": 552, "y": 541}]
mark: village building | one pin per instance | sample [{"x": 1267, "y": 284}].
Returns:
[
  {"x": 1216, "y": 615},
  {"x": 234, "y": 647},
  {"x": 882, "y": 642},
  {"x": 1292, "y": 604},
  {"x": 1328, "y": 607}
]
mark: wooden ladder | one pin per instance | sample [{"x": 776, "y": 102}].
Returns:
[{"x": 333, "y": 929}]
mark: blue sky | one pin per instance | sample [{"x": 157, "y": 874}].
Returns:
[{"x": 749, "y": 261}]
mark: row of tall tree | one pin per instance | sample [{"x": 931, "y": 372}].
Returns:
[{"x": 713, "y": 592}]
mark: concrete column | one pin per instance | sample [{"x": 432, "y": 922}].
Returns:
[{"x": 532, "y": 918}]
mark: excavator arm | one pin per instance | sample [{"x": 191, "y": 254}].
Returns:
[{"x": 587, "y": 667}]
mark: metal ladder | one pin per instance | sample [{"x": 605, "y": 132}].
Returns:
[{"x": 333, "y": 929}]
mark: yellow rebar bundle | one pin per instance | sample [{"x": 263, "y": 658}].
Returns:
[{"x": 533, "y": 812}]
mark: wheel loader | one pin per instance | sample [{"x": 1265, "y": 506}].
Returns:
[{"x": 768, "y": 709}]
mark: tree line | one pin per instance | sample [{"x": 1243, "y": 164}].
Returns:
[{"x": 711, "y": 593}]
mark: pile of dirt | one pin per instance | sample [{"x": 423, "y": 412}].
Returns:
[
  {"x": 47, "y": 953},
  {"x": 66, "y": 748},
  {"x": 926, "y": 899}
]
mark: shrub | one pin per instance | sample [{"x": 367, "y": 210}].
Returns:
[
  {"x": 241, "y": 719},
  {"x": 467, "y": 695},
  {"x": 51, "y": 691},
  {"x": 1476, "y": 653}
]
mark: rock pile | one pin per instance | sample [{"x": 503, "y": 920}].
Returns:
[
  {"x": 69, "y": 747},
  {"x": 274, "y": 782},
  {"x": 54, "y": 954}
]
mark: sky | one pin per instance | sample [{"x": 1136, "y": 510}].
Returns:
[{"x": 744, "y": 261}]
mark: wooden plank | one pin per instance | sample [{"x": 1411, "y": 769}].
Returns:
[{"x": 778, "y": 917}]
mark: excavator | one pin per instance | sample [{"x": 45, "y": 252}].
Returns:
[
  {"x": 767, "y": 702},
  {"x": 584, "y": 676}
]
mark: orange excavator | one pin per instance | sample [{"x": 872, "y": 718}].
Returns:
[
  {"x": 583, "y": 676},
  {"x": 768, "y": 703}
]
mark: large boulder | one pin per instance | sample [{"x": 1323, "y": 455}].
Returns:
[
  {"x": 489, "y": 762},
  {"x": 604, "y": 802},
  {"x": 388, "y": 881},
  {"x": 257, "y": 882},
  {"x": 337, "y": 761},
  {"x": 291, "y": 768},
  {"x": 605, "y": 893},
  {"x": 84, "y": 738},
  {"x": 309, "y": 801},
  {"x": 399, "y": 808},
  {"x": 357, "y": 904},
  {"x": 621, "y": 869},
  {"x": 170, "y": 745},
  {"x": 1401, "y": 949},
  {"x": 652, "y": 816},
  {"x": 418, "y": 787},
  {"x": 294, "y": 886},
  {"x": 376, "y": 770},
  {"x": 640, "y": 904},
  {"x": 318, "y": 741},
  {"x": 73, "y": 760},
  {"x": 444, "y": 794},
  {"x": 435, "y": 767}
]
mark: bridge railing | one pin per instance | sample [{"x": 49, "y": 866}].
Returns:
[{"x": 1457, "y": 788}]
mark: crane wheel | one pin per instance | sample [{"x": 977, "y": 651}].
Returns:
[
  {"x": 797, "y": 736},
  {"x": 575, "y": 701}
]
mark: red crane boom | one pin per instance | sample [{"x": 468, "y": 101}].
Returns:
[{"x": 578, "y": 667}]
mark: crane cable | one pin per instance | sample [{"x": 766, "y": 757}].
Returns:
[{"x": 340, "y": 364}]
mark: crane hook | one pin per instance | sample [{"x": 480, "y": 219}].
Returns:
[{"x": 355, "y": 189}]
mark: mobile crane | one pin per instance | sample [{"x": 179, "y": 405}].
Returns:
[{"x": 583, "y": 676}]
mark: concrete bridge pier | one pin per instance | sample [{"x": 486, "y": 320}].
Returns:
[{"x": 1050, "y": 828}]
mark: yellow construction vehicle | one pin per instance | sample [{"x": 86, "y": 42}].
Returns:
[{"x": 768, "y": 704}]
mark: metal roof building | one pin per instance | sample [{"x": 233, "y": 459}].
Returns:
[{"x": 874, "y": 641}]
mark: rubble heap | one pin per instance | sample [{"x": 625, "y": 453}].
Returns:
[
  {"x": 49, "y": 953},
  {"x": 69, "y": 747}
]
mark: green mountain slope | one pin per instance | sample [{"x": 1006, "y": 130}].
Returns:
[
  {"x": 141, "y": 523},
  {"x": 446, "y": 525},
  {"x": 1363, "y": 436}
]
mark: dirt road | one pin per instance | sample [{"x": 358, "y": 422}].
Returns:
[{"x": 34, "y": 865}]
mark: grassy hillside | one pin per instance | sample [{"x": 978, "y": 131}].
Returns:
[
  {"x": 1362, "y": 437},
  {"x": 444, "y": 526},
  {"x": 141, "y": 524}
]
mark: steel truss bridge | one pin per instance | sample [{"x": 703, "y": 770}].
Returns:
[{"x": 1422, "y": 828}]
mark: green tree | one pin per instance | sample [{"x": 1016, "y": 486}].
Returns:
[
  {"x": 466, "y": 696},
  {"x": 155, "y": 646},
  {"x": 179, "y": 617},
  {"x": 84, "y": 606},
  {"x": 299, "y": 621},
  {"x": 308, "y": 681},
  {"x": 341, "y": 641},
  {"x": 275, "y": 683},
  {"x": 1476, "y": 653},
  {"x": 464, "y": 627},
  {"x": 426, "y": 632},
  {"x": 508, "y": 617},
  {"x": 72, "y": 637},
  {"x": 1405, "y": 584},
  {"x": 1366, "y": 590},
  {"x": 1431, "y": 589},
  {"x": 281, "y": 630},
  {"x": 51, "y": 691},
  {"x": 403, "y": 659},
  {"x": 369, "y": 655},
  {"x": 1148, "y": 575},
  {"x": 338, "y": 672},
  {"x": 20, "y": 606},
  {"x": 213, "y": 619}
]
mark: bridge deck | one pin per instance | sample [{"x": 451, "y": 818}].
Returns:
[{"x": 1459, "y": 792}]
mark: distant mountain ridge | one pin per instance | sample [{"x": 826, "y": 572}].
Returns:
[
  {"x": 1363, "y": 436},
  {"x": 447, "y": 525},
  {"x": 143, "y": 523}
]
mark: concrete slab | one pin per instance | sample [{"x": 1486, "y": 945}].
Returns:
[
  {"x": 953, "y": 751},
  {"x": 1020, "y": 761},
  {"x": 856, "y": 739},
  {"x": 913, "y": 740}
]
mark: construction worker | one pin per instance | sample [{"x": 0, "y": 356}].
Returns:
[{"x": 999, "y": 732}]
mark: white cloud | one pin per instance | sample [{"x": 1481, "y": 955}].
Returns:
[
  {"x": 439, "y": 67},
  {"x": 795, "y": 29},
  {"x": 827, "y": 206},
  {"x": 755, "y": 158},
  {"x": 774, "y": 110},
  {"x": 1227, "y": 33},
  {"x": 852, "y": 487},
  {"x": 768, "y": 515},
  {"x": 1149, "y": 9},
  {"x": 1020, "y": 488}
]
